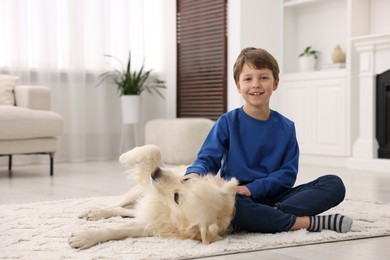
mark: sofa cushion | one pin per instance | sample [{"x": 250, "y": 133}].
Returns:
[
  {"x": 24, "y": 123},
  {"x": 7, "y": 85},
  {"x": 23, "y": 146}
]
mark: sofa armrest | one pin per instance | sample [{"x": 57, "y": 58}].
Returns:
[{"x": 33, "y": 97}]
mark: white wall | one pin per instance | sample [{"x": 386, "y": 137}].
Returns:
[
  {"x": 251, "y": 23},
  {"x": 168, "y": 28}
]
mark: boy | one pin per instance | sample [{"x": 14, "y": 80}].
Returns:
[{"x": 258, "y": 147}]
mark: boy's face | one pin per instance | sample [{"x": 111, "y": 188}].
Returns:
[{"x": 256, "y": 86}]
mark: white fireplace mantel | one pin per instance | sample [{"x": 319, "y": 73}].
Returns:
[{"x": 374, "y": 58}]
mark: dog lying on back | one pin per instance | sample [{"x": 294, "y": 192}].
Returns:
[{"x": 163, "y": 203}]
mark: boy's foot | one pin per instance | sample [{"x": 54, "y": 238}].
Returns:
[{"x": 335, "y": 222}]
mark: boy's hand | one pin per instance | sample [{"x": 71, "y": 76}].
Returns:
[
  {"x": 191, "y": 175},
  {"x": 244, "y": 191}
]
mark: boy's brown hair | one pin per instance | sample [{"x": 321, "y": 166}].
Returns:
[{"x": 257, "y": 58}]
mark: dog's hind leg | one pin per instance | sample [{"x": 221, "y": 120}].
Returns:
[
  {"x": 91, "y": 237},
  {"x": 129, "y": 198},
  {"x": 122, "y": 208}
]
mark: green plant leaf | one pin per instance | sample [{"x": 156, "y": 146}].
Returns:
[
  {"x": 130, "y": 82},
  {"x": 308, "y": 51}
]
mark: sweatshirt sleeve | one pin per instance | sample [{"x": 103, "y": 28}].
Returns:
[
  {"x": 281, "y": 179},
  {"x": 212, "y": 151}
]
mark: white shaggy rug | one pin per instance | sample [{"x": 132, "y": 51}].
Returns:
[{"x": 41, "y": 230}]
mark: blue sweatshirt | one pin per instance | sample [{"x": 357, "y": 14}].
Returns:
[{"x": 262, "y": 155}]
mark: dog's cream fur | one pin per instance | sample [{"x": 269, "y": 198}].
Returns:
[{"x": 164, "y": 204}]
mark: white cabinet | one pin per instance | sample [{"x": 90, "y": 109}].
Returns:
[
  {"x": 316, "y": 102},
  {"x": 324, "y": 103}
]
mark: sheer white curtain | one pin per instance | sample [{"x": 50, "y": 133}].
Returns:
[{"x": 61, "y": 44}]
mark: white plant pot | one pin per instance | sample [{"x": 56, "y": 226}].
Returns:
[
  {"x": 307, "y": 63},
  {"x": 130, "y": 109}
]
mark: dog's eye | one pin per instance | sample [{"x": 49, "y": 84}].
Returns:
[{"x": 176, "y": 197}]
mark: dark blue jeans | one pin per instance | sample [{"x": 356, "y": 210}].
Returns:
[{"x": 278, "y": 214}]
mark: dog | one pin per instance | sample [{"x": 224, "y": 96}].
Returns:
[{"x": 164, "y": 204}]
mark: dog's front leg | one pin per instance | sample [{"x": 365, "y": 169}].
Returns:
[
  {"x": 96, "y": 214},
  {"x": 86, "y": 239}
]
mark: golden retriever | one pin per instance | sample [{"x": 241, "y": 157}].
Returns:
[{"x": 163, "y": 203}]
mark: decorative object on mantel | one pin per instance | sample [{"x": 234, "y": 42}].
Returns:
[
  {"x": 307, "y": 59},
  {"x": 130, "y": 85},
  {"x": 338, "y": 56}
]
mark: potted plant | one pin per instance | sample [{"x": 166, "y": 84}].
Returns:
[
  {"x": 130, "y": 84},
  {"x": 307, "y": 59}
]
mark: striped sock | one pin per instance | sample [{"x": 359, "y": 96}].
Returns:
[
  {"x": 335, "y": 222},
  {"x": 233, "y": 229}
]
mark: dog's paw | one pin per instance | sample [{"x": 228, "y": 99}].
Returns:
[
  {"x": 84, "y": 239},
  {"x": 126, "y": 159},
  {"x": 94, "y": 214},
  {"x": 146, "y": 153}
]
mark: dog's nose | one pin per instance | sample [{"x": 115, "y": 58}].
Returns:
[{"x": 156, "y": 173}]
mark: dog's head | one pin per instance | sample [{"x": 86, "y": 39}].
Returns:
[{"x": 203, "y": 207}]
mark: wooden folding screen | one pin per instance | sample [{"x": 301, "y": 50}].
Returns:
[{"x": 201, "y": 58}]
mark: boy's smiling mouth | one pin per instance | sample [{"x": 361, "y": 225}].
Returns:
[{"x": 255, "y": 94}]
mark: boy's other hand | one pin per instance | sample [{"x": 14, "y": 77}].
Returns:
[{"x": 244, "y": 191}]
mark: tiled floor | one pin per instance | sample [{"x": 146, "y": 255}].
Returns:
[{"x": 75, "y": 180}]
